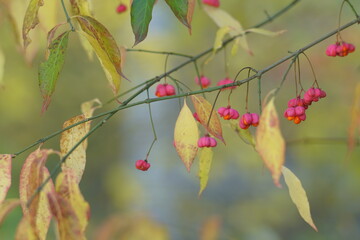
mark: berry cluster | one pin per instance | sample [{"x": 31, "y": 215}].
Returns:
[
  {"x": 249, "y": 119},
  {"x": 142, "y": 165},
  {"x": 165, "y": 89},
  {"x": 207, "y": 141},
  {"x": 340, "y": 50},
  {"x": 214, "y": 3},
  {"x": 297, "y": 106},
  {"x": 228, "y": 113}
]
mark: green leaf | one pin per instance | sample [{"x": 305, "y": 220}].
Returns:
[
  {"x": 141, "y": 14},
  {"x": 180, "y": 10},
  {"x": 50, "y": 69},
  {"x": 31, "y": 19},
  {"x": 206, "y": 157},
  {"x": 105, "y": 47}
]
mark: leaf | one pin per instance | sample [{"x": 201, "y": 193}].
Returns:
[
  {"x": 67, "y": 187},
  {"x": 298, "y": 196},
  {"x": 269, "y": 141},
  {"x": 68, "y": 139},
  {"x": 203, "y": 109},
  {"x": 33, "y": 174},
  {"x": 224, "y": 19},
  {"x": 205, "y": 161},
  {"x": 5, "y": 175},
  {"x": 105, "y": 48},
  {"x": 190, "y": 12},
  {"x": 186, "y": 135},
  {"x": 50, "y": 69},
  {"x": 180, "y": 10},
  {"x": 88, "y": 108},
  {"x": 220, "y": 34},
  {"x": 210, "y": 230},
  {"x": 31, "y": 19},
  {"x": 244, "y": 134},
  {"x": 25, "y": 231},
  {"x": 2, "y": 68},
  {"x": 141, "y": 14},
  {"x": 6, "y": 207},
  {"x": 265, "y": 32},
  {"x": 354, "y": 122}
]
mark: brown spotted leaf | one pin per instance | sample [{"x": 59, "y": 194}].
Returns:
[
  {"x": 186, "y": 135},
  {"x": 31, "y": 19},
  {"x": 5, "y": 175},
  {"x": 270, "y": 143},
  {"x": 203, "y": 110}
]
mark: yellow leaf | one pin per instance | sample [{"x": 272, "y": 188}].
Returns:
[
  {"x": 265, "y": 32},
  {"x": 205, "y": 160},
  {"x": 203, "y": 110},
  {"x": 88, "y": 108},
  {"x": 244, "y": 134},
  {"x": 25, "y": 231},
  {"x": 298, "y": 196},
  {"x": 355, "y": 121},
  {"x": 33, "y": 174},
  {"x": 186, "y": 135},
  {"x": 211, "y": 228},
  {"x": 68, "y": 139},
  {"x": 269, "y": 141},
  {"x": 31, "y": 19},
  {"x": 224, "y": 19},
  {"x": 5, "y": 175},
  {"x": 6, "y": 207},
  {"x": 220, "y": 34}
]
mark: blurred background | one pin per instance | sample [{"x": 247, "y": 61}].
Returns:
[{"x": 162, "y": 203}]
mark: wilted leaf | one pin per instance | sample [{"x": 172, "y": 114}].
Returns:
[
  {"x": 88, "y": 108},
  {"x": 67, "y": 187},
  {"x": 31, "y": 19},
  {"x": 5, "y": 175},
  {"x": 180, "y": 10},
  {"x": 298, "y": 196},
  {"x": 211, "y": 229},
  {"x": 355, "y": 121},
  {"x": 77, "y": 159},
  {"x": 50, "y": 69},
  {"x": 25, "y": 230},
  {"x": 224, "y": 19},
  {"x": 269, "y": 141},
  {"x": 190, "y": 12},
  {"x": 2, "y": 68},
  {"x": 244, "y": 134},
  {"x": 6, "y": 207},
  {"x": 33, "y": 174},
  {"x": 203, "y": 109},
  {"x": 141, "y": 14},
  {"x": 205, "y": 160},
  {"x": 186, "y": 135},
  {"x": 105, "y": 48}
]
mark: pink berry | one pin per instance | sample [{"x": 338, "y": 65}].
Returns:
[
  {"x": 228, "y": 113},
  {"x": 255, "y": 119},
  {"x": 311, "y": 92},
  {"x": 221, "y": 111},
  {"x": 331, "y": 50},
  {"x": 214, "y": 3},
  {"x": 234, "y": 114},
  {"x": 290, "y": 112},
  {"x": 247, "y": 119},
  {"x": 142, "y": 165},
  {"x": 323, "y": 94},
  {"x": 205, "y": 82},
  {"x": 293, "y": 102},
  {"x": 351, "y": 47},
  {"x": 160, "y": 90},
  {"x": 206, "y": 141},
  {"x": 213, "y": 142},
  {"x": 299, "y": 110},
  {"x": 242, "y": 125},
  {"x": 170, "y": 90},
  {"x": 121, "y": 8},
  {"x": 302, "y": 117},
  {"x": 224, "y": 82},
  {"x": 317, "y": 92}
]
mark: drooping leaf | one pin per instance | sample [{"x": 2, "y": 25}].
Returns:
[
  {"x": 190, "y": 12},
  {"x": 203, "y": 109},
  {"x": 50, "y": 69},
  {"x": 31, "y": 19},
  {"x": 244, "y": 134},
  {"x": 269, "y": 141},
  {"x": 220, "y": 34},
  {"x": 33, "y": 174},
  {"x": 88, "y": 108},
  {"x": 105, "y": 48},
  {"x": 180, "y": 10},
  {"x": 186, "y": 135},
  {"x": 25, "y": 231},
  {"x": 205, "y": 160},
  {"x": 141, "y": 14},
  {"x": 6, "y": 207},
  {"x": 354, "y": 122},
  {"x": 5, "y": 175},
  {"x": 77, "y": 159},
  {"x": 67, "y": 187},
  {"x": 298, "y": 196},
  {"x": 2, "y": 68},
  {"x": 210, "y": 230}
]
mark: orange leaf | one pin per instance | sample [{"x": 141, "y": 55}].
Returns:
[
  {"x": 6, "y": 207},
  {"x": 355, "y": 121},
  {"x": 5, "y": 175},
  {"x": 203, "y": 110},
  {"x": 33, "y": 174},
  {"x": 269, "y": 141},
  {"x": 186, "y": 135}
]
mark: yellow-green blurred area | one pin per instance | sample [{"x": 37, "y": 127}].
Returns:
[{"x": 163, "y": 202}]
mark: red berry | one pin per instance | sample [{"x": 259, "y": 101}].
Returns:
[
  {"x": 331, "y": 50},
  {"x": 165, "y": 89},
  {"x": 142, "y": 165},
  {"x": 121, "y": 8}
]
